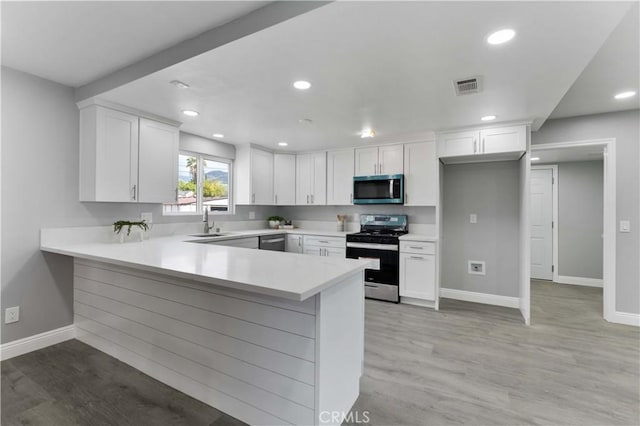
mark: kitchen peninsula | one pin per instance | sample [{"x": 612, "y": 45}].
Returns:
[{"x": 267, "y": 337}]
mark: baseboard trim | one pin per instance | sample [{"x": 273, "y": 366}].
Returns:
[
  {"x": 418, "y": 302},
  {"x": 33, "y": 343},
  {"x": 625, "y": 318},
  {"x": 588, "y": 282},
  {"x": 485, "y": 298}
]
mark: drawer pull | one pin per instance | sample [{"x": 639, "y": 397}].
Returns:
[{"x": 417, "y": 257}]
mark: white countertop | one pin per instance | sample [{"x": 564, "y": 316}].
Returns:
[
  {"x": 287, "y": 275},
  {"x": 418, "y": 237}
]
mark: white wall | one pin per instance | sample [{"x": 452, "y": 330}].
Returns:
[
  {"x": 625, "y": 127},
  {"x": 40, "y": 189}
]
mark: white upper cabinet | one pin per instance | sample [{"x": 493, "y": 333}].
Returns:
[
  {"x": 284, "y": 179},
  {"x": 420, "y": 174},
  {"x": 504, "y": 139},
  {"x": 340, "y": 166},
  {"x": 125, "y": 158},
  {"x": 379, "y": 160},
  {"x": 499, "y": 143},
  {"x": 254, "y": 176},
  {"x": 366, "y": 161},
  {"x": 311, "y": 178},
  {"x": 390, "y": 160},
  {"x": 157, "y": 162}
]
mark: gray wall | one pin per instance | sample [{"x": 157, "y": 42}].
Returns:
[
  {"x": 419, "y": 215},
  {"x": 490, "y": 190},
  {"x": 625, "y": 127},
  {"x": 580, "y": 216},
  {"x": 39, "y": 190}
]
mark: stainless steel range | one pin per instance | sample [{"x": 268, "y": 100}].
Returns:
[{"x": 378, "y": 239}]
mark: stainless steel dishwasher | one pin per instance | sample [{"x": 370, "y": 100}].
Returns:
[{"x": 272, "y": 242}]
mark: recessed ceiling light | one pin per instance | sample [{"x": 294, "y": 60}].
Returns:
[
  {"x": 190, "y": 113},
  {"x": 625, "y": 95},
  {"x": 535, "y": 158},
  {"x": 488, "y": 118},
  {"x": 282, "y": 144},
  {"x": 367, "y": 133},
  {"x": 179, "y": 84},
  {"x": 501, "y": 36},
  {"x": 301, "y": 85},
  {"x": 218, "y": 135}
]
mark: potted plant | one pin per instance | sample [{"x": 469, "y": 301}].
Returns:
[
  {"x": 274, "y": 221},
  {"x": 141, "y": 227}
]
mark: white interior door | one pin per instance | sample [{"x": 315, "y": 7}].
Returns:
[{"x": 542, "y": 224}]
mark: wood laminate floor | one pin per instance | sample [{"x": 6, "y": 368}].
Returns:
[{"x": 467, "y": 364}]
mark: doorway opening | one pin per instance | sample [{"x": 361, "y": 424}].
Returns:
[{"x": 573, "y": 221}]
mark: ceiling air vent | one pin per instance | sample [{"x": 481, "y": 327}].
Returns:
[{"x": 467, "y": 86}]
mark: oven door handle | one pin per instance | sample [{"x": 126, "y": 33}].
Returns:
[
  {"x": 371, "y": 285},
  {"x": 387, "y": 247}
]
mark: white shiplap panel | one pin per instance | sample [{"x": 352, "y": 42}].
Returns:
[
  {"x": 221, "y": 401},
  {"x": 281, "y": 319},
  {"x": 283, "y": 386},
  {"x": 263, "y": 400},
  {"x": 292, "y": 344},
  {"x": 276, "y": 361},
  {"x": 306, "y": 306}
]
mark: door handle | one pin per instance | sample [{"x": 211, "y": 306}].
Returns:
[
  {"x": 371, "y": 285},
  {"x": 275, "y": 240}
]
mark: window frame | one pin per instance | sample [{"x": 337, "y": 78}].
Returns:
[{"x": 201, "y": 158}]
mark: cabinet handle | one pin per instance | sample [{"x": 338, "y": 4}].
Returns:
[
  {"x": 253, "y": 198},
  {"x": 351, "y": 195},
  {"x": 406, "y": 198},
  {"x": 320, "y": 252},
  {"x": 375, "y": 169},
  {"x": 381, "y": 168},
  {"x": 323, "y": 242},
  {"x": 417, "y": 257},
  {"x": 482, "y": 144},
  {"x": 475, "y": 142},
  {"x": 417, "y": 248},
  {"x": 299, "y": 241},
  {"x": 134, "y": 191},
  {"x": 176, "y": 194},
  {"x": 307, "y": 198},
  {"x": 311, "y": 198},
  {"x": 276, "y": 198}
]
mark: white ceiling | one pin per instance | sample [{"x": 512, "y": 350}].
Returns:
[
  {"x": 614, "y": 69},
  {"x": 388, "y": 65},
  {"x": 381, "y": 64},
  {"x": 563, "y": 155},
  {"x": 77, "y": 42}
]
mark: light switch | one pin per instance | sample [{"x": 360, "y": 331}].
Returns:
[
  {"x": 473, "y": 218},
  {"x": 625, "y": 226}
]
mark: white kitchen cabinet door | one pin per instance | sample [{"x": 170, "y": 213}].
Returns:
[
  {"x": 460, "y": 143},
  {"x": 340, "y": 177},
  {"x": 366, "y": 161},
  {"x": 313, "y": 250},
  {"x": 417, "y": 276},
  {"x": 319, "y": 178},
  {"x": 303, "y": 179},
  {"x": 158, "y": 162},
  {"x": 261, "y": 177},
  {"x": 390, "y": 160},
  {"x": 503, "y": 139},
  {"x": 294, "y": 243},
  {"x": 420, "y": 174},
  {"x": 335, "y": 252},
  {"x": 108, "y": 155},
  {"x": 284, "y": 179}
]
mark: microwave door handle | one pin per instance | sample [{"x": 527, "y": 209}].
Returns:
[{"x": 391, "y": 194}]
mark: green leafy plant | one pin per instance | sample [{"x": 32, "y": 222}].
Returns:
[
  {"x": 275, "y": 219},
  {"x": 117, "y": 226}
]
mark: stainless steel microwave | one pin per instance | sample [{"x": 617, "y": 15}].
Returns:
[{"x": 378, "y": 189}]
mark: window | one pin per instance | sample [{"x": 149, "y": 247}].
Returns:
[{"x": 203, "y": 183}]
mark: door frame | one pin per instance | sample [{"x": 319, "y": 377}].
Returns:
[
  {"x": 554, "y": 215},
  {"x": 609, "y": 217}
]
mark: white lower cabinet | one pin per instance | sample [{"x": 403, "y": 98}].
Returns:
[
  {"x": 244, "y": 242},
  {"x": 418, "y": 272},
  {"x": 325, "y": 246},
  {"x": 294, "y": 243}
]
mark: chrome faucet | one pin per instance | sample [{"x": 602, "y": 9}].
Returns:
[{"x": 205, "y": 218}]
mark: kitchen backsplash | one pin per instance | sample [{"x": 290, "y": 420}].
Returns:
[{"x": 417, "y": 215}]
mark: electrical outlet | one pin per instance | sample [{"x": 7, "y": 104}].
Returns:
[
  {"x": 12, "y": 315},
  {"x": 477, "y": 267},
  {"x": 147, "y": 217},
  {"x": 252, "y": 215},
  {"x": 625, "y": 226},
  {"x": 473, "y": 218}
]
